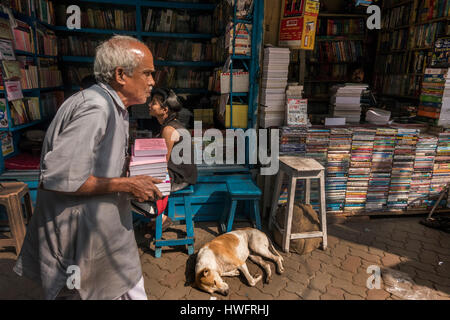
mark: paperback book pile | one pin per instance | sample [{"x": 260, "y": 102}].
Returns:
[
  {"x": 423, "y": 172},
  {"x": 402, "y": 168},
  {"x": 296, "y": 107},
  {"x": 441, "y": 167},
  {"x": 293, "y": 141},
  {"x": 149, "y": 158},
  {"x": 346, "y": 101},
  {"x": 338, "y": 160},
  {"x": 275, "y": 76},
  {"x": 359, "y": 171},
  {"x": 381, "y": 167},
  {"x": 317, "y": 141},
  {"x": 435, "y": 95}
]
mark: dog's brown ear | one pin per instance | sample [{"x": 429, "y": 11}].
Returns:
[{"x": 205, "y": 272}]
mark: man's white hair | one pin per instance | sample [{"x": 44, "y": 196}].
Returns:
[{"x": 113, "y": 53}]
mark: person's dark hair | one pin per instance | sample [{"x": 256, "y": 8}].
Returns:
[
  {"x": 88, "y": 81},
  {"x": 168, "y": 99}
]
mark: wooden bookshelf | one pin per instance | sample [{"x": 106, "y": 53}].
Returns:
[
  {"x": 413, "y": 56},
  {"x": 316, "y": 75}
]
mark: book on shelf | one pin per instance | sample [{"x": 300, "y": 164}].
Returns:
[
  {"x": 49, "y": 74},
  {"x": 23, "y": 37},
  {"x": 338, "y": 51},
  {"x": 179, "y": 21},
  {"x": 23, "y": 6},
  {"x": 422, "y": 36},
  {"x": 441, "y": 54},
  {"x": 180, "y": 50},
  {"x": 432, "y": 9},
  {"x": 13, "y": 90},
  {"x": 79, "y": 46},
  {"x": 96, "y": 17},
  {"x": 7, "y": 143},
  {"x": 3, "y": 114},
  {"x": 242, "y": 39},
  {"x": 29, "y": 73},
  {"x": 44, "y": 11},
  {"x": 6, "y": 50},
  {"x": 5, "y": 29},
  {"x": 47, "y": 42},
  {"x": 32, "y": 108},
  {"x": 397, "y": 17},
  {"x": 333, "y": 27},
  {"x": 11, "y": 69},
  {"x": 18, "y": 112}
]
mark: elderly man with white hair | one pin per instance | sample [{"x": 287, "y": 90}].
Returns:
[{"x": 80, "y": 242}]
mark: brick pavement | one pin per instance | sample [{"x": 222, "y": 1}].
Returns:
[{"x": 420, "y": 254}]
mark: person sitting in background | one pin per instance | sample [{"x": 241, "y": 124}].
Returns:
[{"x": 164, "y": 105}]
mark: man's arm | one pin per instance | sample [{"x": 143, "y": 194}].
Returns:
[{"x": 141, "y": 187}]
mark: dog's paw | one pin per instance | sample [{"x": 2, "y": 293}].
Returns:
[
  {"x": 268, "y": 280},
  {"x": 280, "y": 270}
]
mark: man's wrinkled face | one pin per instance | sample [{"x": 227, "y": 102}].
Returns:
[{"x": 138, "y": 86}]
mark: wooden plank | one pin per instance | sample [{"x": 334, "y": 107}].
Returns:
[
  {"x": 307, "y": 235},
  {"x": 301, "y": 163},
  {"x": 272, "y": 12},
  {"x": 289, "y": 214}
]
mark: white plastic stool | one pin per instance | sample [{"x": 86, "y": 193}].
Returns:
[{"x": 299, "y": 168}]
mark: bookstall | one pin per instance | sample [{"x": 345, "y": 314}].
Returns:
[
  {"x": 376, "y": 103},
  {"x": 369, "y": 104},
  {"x": 207, "y": 51}
]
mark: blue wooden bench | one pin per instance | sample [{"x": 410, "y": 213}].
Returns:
[
  {"x": 245, "y": 190},
  {"x": 184, "y": 196},
  {"x": 205, "y": 201}
]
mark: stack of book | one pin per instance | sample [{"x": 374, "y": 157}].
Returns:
[
  {"x": 402, "y": 168},
  {"x": 275, "y": 76},
  {"x": 242, "y": 40},
  {"x": 381, "y": 167},
  {"x": 359, "y": 171},
  {"x": 338, "y": 160},
  {"x": 293, "y": 141},
  {"x": 296, "y": 107},
  {"x": 441, "y": 167},
  {"x": 423, "y": 172},
  {"x": 435, "y": 86},
  {"x": 149, "y": 158},
  {"x": 317, "y": 142},
  {"x": 346, "y": 101},
  {"x": 23, "y": 37}
]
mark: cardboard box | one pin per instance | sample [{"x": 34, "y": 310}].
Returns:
[
  {"x": 240, "y": 82},
  {"x": 240, "y": 116}
]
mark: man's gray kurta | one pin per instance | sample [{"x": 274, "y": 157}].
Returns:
[{"x": 88, "y": 136}]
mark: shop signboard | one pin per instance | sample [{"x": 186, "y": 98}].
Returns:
[{"x": 298, "y": 24}]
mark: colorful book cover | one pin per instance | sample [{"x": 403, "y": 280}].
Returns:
[{"x": 3, "y": 114}]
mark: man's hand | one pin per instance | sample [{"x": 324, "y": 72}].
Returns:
[{"x": 143, "y": 188}]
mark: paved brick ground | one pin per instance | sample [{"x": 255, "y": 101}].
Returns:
[{"x": 420, "y": 254}]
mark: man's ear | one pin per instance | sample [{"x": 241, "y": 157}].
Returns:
[{"x": 119, "y": 73}]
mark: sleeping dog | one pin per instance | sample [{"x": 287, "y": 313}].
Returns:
[{"x": 225, "y": 256}]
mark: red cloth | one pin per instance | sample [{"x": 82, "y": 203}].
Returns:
[
  {"x": 23, "y": 161},
  {"x": 161, "y": 205}
]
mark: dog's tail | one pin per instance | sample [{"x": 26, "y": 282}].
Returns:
[{"x": 272, "y": 248}]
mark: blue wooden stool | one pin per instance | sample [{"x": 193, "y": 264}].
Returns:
[
  {"x": 185, "y": 196},
  {"x": 241, "y": 190}
]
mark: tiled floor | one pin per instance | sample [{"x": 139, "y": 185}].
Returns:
[{"x": 414, "y": 262}]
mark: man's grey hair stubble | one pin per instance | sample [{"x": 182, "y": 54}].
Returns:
[{"x": 113, "y": 53}]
